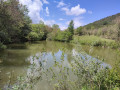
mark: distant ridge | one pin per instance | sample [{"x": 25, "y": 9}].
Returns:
[{"x": 105, "y": 21}]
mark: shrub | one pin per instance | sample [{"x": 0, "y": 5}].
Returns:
[
  {"x": 2, "y": 47},
  {"x": 33, "y": 36},
  {"x": 63, "y": 36}
]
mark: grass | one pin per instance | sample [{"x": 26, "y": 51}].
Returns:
[{"x": 95, "y": 41}]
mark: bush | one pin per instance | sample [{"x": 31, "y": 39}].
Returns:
[
  {"x": 33, "y": 36},
  {"x": 64, "y": 36},
  {"x": 2, "y": 47}
]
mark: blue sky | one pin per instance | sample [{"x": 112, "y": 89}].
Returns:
[{"x": 62, "y": 11}]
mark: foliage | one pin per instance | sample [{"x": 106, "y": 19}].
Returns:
[
  {"x": 39, "y": 31},
  {"x": 78, "y": 31},
  {"x": 33, "y": 36},
  {"x": 64, "y": 36},
  {"x": 55, "y": 27},
  {"x": 2, "y": 47},
  {"x": 83, "y": 73},
  {"x": 71, "y": 27},
  {"x": 36, "y": 33},
  {"x": 14, "y": 21},
  {"x": 106, "y": 28},
  {"x": 95, "y": 41}
]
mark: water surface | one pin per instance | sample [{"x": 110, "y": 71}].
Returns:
[{"x": 18, "y": 57}]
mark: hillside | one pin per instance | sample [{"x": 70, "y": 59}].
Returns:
[
  {"x": 108, "y": 27},
  {"x": 110, "y": 20}
]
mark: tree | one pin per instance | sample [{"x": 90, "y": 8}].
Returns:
[
  {"x": 71, "y": 27},
  {"x": 55, "y": 27},
  {"x": 79, "y": 31},
  {"x": 14, "y": 21}
]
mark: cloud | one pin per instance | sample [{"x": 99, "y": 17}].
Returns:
[
  {"x": 34, "y": 7},
  {"x": 90, "y": 12},
  {"x": 61, "y": 19},
  {"x": 74, "y": 10},
  {"x": 60, "y": 4},
  {"x": 47, "y": 11},
  {"x": 77, "y": 22},
  {"x": 49, "y": 22},
  {"x": 45, "y": 1},
  {"x": 62, "y": 27}
]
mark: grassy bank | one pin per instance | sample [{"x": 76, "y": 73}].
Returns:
[{"x": 95, "y": 41}]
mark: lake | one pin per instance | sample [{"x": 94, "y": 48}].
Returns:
[{"x": 16, "y": 60}]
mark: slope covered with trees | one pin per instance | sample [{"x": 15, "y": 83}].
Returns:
[{"x": 108, "y": 27}]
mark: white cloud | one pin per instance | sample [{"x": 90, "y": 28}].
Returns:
[
  {"x": 62, "y": 27},
  {"x": 45, "y": 1},
  {"x": 49, "y": 22},
  {"x": 77, "y": 22},
  {"x": 47, "y": 11},
  {"x": 34, "y": 7},
  {"x": 60, "y": 4},
  {"x": 90, "y": 12},
  {"x": 61, "y": 19},
  {"x": 74, "y": 10}
]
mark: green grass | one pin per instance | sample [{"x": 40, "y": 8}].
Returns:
[{"x": 95, "y": 41}]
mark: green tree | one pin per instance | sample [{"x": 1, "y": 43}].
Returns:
[
  {"x": 55, "y": 27},
  {"x": 71, "y": 27},
  {"x": 14, "y": 21},
  {"x": 79, "y": 31}
]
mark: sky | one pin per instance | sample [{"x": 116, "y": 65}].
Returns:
[{"x": 61, "y": 12}]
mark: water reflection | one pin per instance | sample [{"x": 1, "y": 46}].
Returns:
[{"x": 17, "y": 58}]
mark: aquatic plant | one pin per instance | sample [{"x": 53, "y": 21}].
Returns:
[{"x": 83, "y": 73}]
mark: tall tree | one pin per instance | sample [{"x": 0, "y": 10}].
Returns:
[{"x": 71, "y": 27}]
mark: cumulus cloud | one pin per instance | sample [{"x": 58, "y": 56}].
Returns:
[
  {"x": 47, "y": 11},
  {"x": 60, "y": 4},
  {"x": 45, "y": 1},
  {"x": 34, "y": 7},
  {"x": 74, "y": 10}
]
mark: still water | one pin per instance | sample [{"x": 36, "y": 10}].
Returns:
[{"x": 17, "y": 58}]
